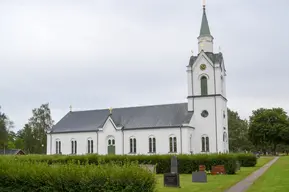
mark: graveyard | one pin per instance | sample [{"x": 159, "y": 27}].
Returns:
[
  {"x": 215, "y": 183},
  {"x": 190, "y": 173}
]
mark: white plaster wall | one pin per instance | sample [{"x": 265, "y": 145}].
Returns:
[
  {"x": 162, "y": 140},
  {"x": 204, "y": 126},
  {"x": 198, "y": 73},
  {"x": 110, "y": 131},
  {"x": 142, "y": 136},
  {"x": 207, "y": 44},
  {"x": 65, "y": 139}
]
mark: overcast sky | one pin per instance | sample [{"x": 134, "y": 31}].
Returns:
[{"x": 113, "y": 53}]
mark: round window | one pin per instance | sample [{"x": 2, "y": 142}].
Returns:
[{"x": 205, "y": 113}]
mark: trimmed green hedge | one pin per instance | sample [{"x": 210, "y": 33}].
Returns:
[
  {"x": 247, "y": 159},
  {"x": 187, "y": 163},
  {"x": 27, "y": 176}
]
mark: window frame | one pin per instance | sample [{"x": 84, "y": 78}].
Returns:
[
  {"x": 173, "y": 146},
  {"x": 132, "y": 145}
]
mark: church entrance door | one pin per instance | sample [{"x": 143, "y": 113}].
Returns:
[{"x": 111, "y": 147}]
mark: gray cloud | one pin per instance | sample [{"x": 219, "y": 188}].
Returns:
[{"x": 97, "y": 54}]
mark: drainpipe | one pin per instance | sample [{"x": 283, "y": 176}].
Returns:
[
  {"x": 216, "y": 127},
  {"x": 97, "y": 142},
  {"x": 50, "y": 143},
  {"x": 181, "y": 138},
  {"x": 122, "y": 141}
]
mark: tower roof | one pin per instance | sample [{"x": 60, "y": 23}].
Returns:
[{"x": 205, "y": 30}]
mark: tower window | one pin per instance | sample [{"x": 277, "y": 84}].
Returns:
[
  {"x": 222, "y": 85},
  {"x": 204, "y": 85},
  {"x": 225, "y": 137},
  {"x": 205, "y": 113}
]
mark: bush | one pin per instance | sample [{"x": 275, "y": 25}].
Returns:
[
  {"x": 28, "y": 176},
  {"x": 187, "y": 163},
  {"x": 246, "y": 159}
]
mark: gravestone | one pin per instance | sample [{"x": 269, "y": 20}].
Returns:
[
  {"x": 238, "y": 167},
  {"x": 149, "y": 167},
  {"x": 200, "y": 176},
  {"x": 172, "y": 179},
  {"x": 218, "y": 169},
  {"x": 174, "y": 164}
]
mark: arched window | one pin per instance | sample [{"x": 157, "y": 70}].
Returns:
[
  {"x": 58, "y": 146},
  {"x": 225, "y": 137},
  {"x": 89, "y": 145},
  {"x": 132, "y": 142},
  {"x": 204, "y": 85},
  {"x": 152, "y": 144},
  {"x": 173, "y": 144},
  {"x": 73, "y": 146},
  {"x": 205, "y": 144}
]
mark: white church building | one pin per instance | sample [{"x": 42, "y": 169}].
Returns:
[{"x": 198, "y": 126}]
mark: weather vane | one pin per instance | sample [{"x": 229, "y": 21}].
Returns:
[
  {"x": 110, "y": 110},
  {"x": 204, "y": 3}
]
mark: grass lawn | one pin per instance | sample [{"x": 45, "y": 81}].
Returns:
[
  {"x": 215, "y": 183},
  {"x": 275, "y": 179}
]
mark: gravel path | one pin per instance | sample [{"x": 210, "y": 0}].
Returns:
[{"x": 243, "y": 185}]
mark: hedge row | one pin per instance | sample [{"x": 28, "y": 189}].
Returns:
[
  {"x": 27, "y": 176},
  {"x": 186, "y": 163},
  {"x": 246, "y": 159}
]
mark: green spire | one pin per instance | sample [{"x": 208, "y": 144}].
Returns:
[{"x": 205, "y": 30}]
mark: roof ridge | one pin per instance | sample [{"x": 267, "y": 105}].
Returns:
[{"x": 140, "y": 106}]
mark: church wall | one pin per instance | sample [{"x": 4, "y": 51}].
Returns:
[
  {"x": 66, "y": 138},
  {"x": 109, "y": 131},
  {"x": 204, "y": 126},
  {"x": 142, "y": 137},
  {"x": 198, "y": 73}
]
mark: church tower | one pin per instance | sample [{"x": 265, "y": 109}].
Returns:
[{"x": 207, "y": 94}]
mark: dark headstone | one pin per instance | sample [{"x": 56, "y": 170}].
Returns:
[
  {"x": 174, "y": 164},
  {"x": 238, "y": 166},
  {"x": 218, "y": 169},
  {"x": 171, "y": 180},
  {"x": 200, "y": 177}
]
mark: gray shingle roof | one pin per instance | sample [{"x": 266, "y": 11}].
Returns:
[
  {"x": 167, "y": 115},
  {"x": 10, "y": 151},
  {"x": 214, "y": 57},
  {"x": 205, "y": 30}
]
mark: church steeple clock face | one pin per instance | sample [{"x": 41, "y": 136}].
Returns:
[{"x": 203, "y": 67}]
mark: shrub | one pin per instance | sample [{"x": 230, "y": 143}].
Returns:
[
  {"x": 187, "y": 163},
  {"x": 28, "y": 176},
  {"x": 246, "y": 159}
]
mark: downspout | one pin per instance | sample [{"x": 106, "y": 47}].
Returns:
[
  {"x": 50, "y": 143},
  {"x": 216, "y": 131},
  {"x": 181, "y": 138},
  {"x": 97, "y": 142},
  {"x": 122, "y": 141}
]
